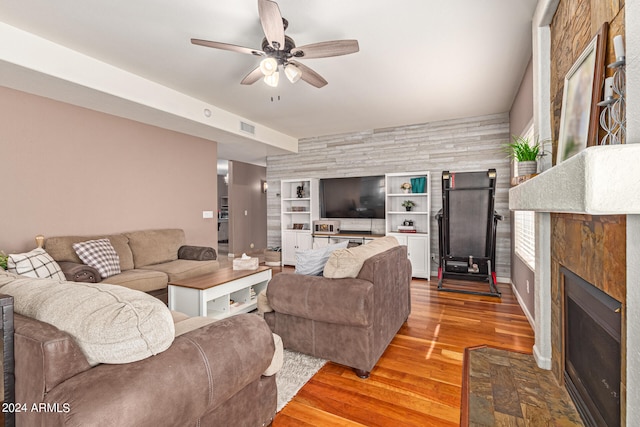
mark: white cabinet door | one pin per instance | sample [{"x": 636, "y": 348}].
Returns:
[
  {"x": 402, "y": 239},
  {"x": 293, "y": 241},
  {"x": 304, "y": 241},
  {"x": 289, "y": 243},
  {"x": 418, "y": 250},
  {"x": 418, "y": 253}
]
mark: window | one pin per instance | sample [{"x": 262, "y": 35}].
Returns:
[
  {"x": 525, "y": 228},
  {"x": 525, "y": 236}
]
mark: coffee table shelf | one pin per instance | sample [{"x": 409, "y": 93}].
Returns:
[{"x": 223, "y": 293}]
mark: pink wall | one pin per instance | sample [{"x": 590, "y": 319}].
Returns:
[{"x": 70, "y": 170}]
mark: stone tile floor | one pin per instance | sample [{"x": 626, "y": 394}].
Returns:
[{"x": 508, "y": 389}]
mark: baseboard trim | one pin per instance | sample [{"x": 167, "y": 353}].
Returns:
[
  {"x": 523, "y": 306},
  {"x": 543, "y": 362}
]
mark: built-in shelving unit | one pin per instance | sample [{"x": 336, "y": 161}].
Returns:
[
  {"x": 410, "y": 227},
  {"x": 299, "y": 208}
]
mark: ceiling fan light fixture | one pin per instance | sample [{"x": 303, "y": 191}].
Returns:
[
  {"x": 293, "y": 73},
  {"x": 272, "y": 79},
  {"x": 268, "y": 66}
]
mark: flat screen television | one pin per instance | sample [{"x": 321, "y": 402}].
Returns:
[{"x": 356, "y": 197}]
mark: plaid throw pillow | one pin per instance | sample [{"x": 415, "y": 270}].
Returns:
[
  {"x": 100, "y": 255},
  {"x": 36, "y": 263}
]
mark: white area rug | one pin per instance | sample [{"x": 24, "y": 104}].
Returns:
[{"x": 297, "y": 369}]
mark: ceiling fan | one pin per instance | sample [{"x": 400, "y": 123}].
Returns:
[{"x": 280, "y": 51}]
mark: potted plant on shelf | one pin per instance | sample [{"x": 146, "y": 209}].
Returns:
[
  {"x": 408, "y": 204},
  {"x": 525, "y": 153},
  {"x": 3, "y": 260},
  {"x": 405, "y": 187}
]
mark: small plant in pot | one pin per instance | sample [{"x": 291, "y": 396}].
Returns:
[
  {"x": 525, "y": 153},
  {"x": 3, "y": 260},
  {"x": 408, "y": 204}
]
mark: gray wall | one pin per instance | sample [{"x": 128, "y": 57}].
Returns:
[
  {"x": 520, "y": 117},
  {"x": 247, "y": 209},
  {"x": 468, "y": 144}
]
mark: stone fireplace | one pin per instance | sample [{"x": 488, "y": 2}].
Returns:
[{"x": 581, "y": 229}]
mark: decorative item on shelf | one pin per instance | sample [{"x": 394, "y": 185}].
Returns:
[
  {"x": 298, "y": 226},
  {"x": 300, "y": 191},
  {"x": 298, "y": 209},
  {"x": 417, "y": 184},
  {"x": 613, "y": 117},
  {"x": 525, "y": 154},
  {"x": 405, "y": 187},
  {"x": 408, "y": 204}
]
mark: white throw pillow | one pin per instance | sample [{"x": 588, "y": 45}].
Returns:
[
  {"x": 312, "y": 261},
  {"x": 36, "y": 263},
  {"x": 348, "y": 262},
  {"x": 100, "y": 255}
]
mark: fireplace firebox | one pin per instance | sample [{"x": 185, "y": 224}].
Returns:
[{"x": 592, "y": 333}]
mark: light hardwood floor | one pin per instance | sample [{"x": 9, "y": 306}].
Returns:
[{"x": 417, "y": 381}]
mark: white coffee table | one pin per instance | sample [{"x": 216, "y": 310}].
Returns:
[{"x": 219, "y": 294}]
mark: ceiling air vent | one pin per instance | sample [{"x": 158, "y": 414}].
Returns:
[{"x": 246, "y": 127}]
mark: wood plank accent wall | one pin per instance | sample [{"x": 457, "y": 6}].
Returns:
[{"x": 468, "y": 144}]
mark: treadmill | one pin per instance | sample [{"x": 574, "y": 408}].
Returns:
[{"x": 467, "y": 226}]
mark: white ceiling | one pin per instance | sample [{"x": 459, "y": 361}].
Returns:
[{"x": 419, "y": 60}]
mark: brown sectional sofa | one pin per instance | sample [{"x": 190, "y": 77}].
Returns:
[
  {"x": 350, "y": 321},
  {"x": 208, "y": 374},
  {"x": 149, "y": 259}
]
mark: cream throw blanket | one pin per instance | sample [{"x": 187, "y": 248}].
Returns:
[{"x": 110, "y": 323}]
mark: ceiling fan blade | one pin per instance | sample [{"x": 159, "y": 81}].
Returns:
[
  {"x": 252, "y": 77},
  {"x": 310, "y": 76},
  {"x": 227, "y": 46},
  {"x": 326, "y": 49},
  {"x": 272, "y": 24}
]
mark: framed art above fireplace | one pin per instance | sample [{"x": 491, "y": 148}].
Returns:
[{"x": 580, "y": 97}]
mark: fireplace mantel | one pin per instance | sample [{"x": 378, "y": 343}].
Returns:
[{"x": 601, "y": 180}]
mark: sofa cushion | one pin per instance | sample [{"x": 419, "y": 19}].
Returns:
[
  {"x": 345, "y": 263},
  {"x": 342, "y": 302},
  {"x": 140, "y": 280},
  {"x": 75, "y": 272},
  {"x": 61, "y": 248},
  {"x": 312, "y": 261},
  {"x": 100, "y": 255},
  {"x": 36, "y": 263},
  {"x": 111, "y": 324},
  {"x": 151, "y": 247},
  {"x": 181, "y": 269}
]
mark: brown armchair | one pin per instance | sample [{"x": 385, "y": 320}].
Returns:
[{"x": 349, "y": 321}]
